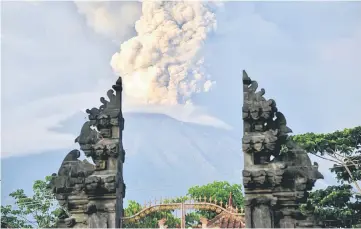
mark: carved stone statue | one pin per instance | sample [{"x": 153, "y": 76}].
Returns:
[
  {"x": 93, "y": 194},
  {"x": 275, "y": 183}
]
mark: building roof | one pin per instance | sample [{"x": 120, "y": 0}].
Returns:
[{"x": 227, "y": 220}]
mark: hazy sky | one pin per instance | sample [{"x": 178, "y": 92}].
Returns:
[{"x": 56, "y": 62}]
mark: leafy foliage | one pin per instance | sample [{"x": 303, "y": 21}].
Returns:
[
  {"x": 193, "y": 219},
  {"x": 220, "y": 191},
  {"x": 151, "y": 220},
  {"x": 337, "y": 206},
  {"x": 346, "y": 141},
  {"x": 40, "y": 210},
  {"x": 344, "y": 148},
  {"x": 14, "y": 218}
]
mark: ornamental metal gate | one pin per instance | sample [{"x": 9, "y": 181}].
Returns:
[{"x": 203, "y": 203}]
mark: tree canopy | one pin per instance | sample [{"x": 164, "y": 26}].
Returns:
[
  {"x": 220, "y": 191},
  {"x": 40, "y": 210},
  {"x": 341, "y": 147},
  {"x": 151, "y": 220},
  {"x": 338, "y": 206}
]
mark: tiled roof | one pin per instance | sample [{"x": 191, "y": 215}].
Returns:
[{"x": 225, "y": 220}]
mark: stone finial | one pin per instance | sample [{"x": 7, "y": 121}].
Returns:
[
  {"x": 118, "y": 85},
  {"x": 245, "y": 78},
  {"x": 230, "y": 200}
]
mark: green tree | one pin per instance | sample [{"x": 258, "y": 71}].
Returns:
[
  {"x": 151, "y": 220},
  {"x": 341, "y": 147},
  {"x": 40, "y": 210},
  {"x": 218, "y": 190},
  {"x": 336, "y": 205}
]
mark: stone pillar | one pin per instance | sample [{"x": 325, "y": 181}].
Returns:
[
  {"x": 259, "y": 212},
  {"x": 93, "y": 193},
  {"x": 275, "y": 184},
  {"x": 248, "y": 212},
  {"x": 287, "y": 220},
  {"x": 120, "y": 190}
]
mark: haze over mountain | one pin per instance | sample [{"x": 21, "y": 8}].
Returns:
[{"x": 162, "y": 151}]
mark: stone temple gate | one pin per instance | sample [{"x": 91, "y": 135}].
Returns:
[
  {"x": 93, "y": 194},
  {"x": 277, "y": 173}
]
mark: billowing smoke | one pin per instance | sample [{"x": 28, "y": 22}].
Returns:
[
  {"x": 163, "y": 64},
  {"x": 114, "y": 20}
]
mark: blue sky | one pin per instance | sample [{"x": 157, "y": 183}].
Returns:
[{"x": 55, "y": 63}]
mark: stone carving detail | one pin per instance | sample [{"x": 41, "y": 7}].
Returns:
[
  {"x": 89, "y": 191},
  {"x": 275, "y": 183}
]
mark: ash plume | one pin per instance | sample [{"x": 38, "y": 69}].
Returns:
[
  {"x": 162, "y": 64},
  {"x": 114, "y": 20}
]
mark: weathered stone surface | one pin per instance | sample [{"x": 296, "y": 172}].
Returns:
[
  {"x": 89, "y": 191},
  {"x": 98, "y": 220},
  {"x": 275, "y": 183}
]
